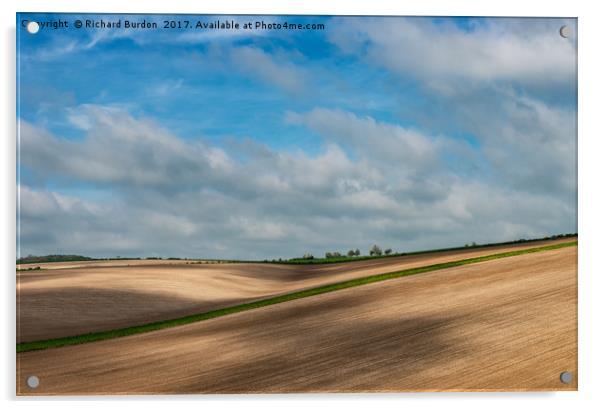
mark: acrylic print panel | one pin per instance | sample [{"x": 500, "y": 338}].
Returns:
[{"x": 274, "y": 204}]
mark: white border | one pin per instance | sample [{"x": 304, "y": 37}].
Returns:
[{"x": 590, "y": 228}]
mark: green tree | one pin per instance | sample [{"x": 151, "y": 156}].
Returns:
[{"x": 376, "y": 251}]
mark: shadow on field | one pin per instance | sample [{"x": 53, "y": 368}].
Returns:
[
  {"x": 363, "y": 353},
  {"x": 295, "y": 349},
  {"x": 54, "y": 313}
]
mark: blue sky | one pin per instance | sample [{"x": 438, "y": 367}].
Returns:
[
  {"x": 188, "y": 86},
  {"x": 372, "y": 130}
]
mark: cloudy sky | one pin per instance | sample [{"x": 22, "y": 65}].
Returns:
[{"x": 411, "y": 133}]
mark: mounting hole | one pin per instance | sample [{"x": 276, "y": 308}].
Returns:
[
  {"x": 33, "y": 27},
  {"x": 566, "y": 377},
  {"x": 33, "y": 382},
  {"x": 565, "y": 31}
]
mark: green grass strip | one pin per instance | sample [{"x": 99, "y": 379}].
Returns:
[{"x": 154, "y": 326}]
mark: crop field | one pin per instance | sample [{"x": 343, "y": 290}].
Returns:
[
  {"x": 65, "y": 299},
  {"x": 504, "y": 323}
]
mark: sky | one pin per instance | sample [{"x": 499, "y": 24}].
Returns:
[{"x": 406, "y": 132}]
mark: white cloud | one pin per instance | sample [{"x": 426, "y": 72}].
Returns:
[
  {"x": 530, "y": 145},
  {"x": 384, "y": 141},
  {"x": 520, "y": 50},
  {"x": 117, "y": 149},
  {"x": 509, "y": 83},
  {"x": 168, "y": 196}
]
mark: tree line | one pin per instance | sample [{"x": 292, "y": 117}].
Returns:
[{"x": 375, "y": 250}]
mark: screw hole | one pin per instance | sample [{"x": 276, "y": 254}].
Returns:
[
  {"x": 33, "y": 27},
  {"x": 33, "y": 382},
  {"x": 566, "y": 377},
  {"x": 565, "y": 31}
]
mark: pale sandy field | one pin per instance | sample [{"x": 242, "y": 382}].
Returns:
[
  {"x": 76, "y": 298},
  {"x": 506, "y": 324}
]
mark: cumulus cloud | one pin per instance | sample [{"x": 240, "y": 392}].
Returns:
[
  {"x": 441, "y": 53},
  {"x": 368, "y": 137},
  {"x": 508, "y": 83},
  {"x": 169, "y": 196},
  {"x": 121, "y": 150},
  {"x": 532, "y": 146},
  {"x": 478, "y": 144}
]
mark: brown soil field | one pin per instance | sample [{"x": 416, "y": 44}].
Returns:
[
  {"x": 506, "y": 324},
  {"x": 73, "y": 298}
]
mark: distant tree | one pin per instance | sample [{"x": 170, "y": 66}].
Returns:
[
  {"x": 357, "y": 252},
  {"x": 388, "y": 251},
  {"x": 51, "y": 258},
  {"x": 328, "y": 254},
  {"x": 308, "y": 256},
  {"x": 474, "y": 244},
  {"x": 336, "y": 254},
  {"x": 376, "y": 251},
  {"x": 351, "y": 253}
]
